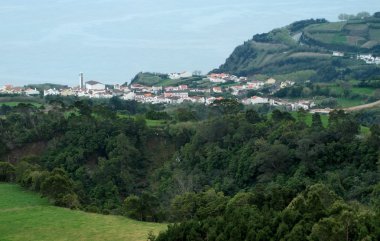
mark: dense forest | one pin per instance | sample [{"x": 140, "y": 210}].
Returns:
[{"x": 219, "y": 172}]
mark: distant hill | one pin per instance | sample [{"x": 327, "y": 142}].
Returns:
[
  {"x": 150, "y": 79},
  {"x": 305, "y": 48},
  {"x": 46, "y": 86},
  {"x": 158, "y": 79}
]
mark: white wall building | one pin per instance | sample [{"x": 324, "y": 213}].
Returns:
[
  {"x": 176, "y": 94},
  {"x": 286, "y": 83},
  {"x": 94, "y": 85},
  {"x": 184, "y": 74},
  {"x": 32, "y": 92},
  {"x": 338, "y": 54},
  {"x": 156, "y": 89},
  {"x": 129, "y": 96},
  {"x": 51, "y": 92},
  {"x": 270, "y": 81}
]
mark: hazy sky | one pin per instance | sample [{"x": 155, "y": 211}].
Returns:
[{"x": 112, "y": 40}]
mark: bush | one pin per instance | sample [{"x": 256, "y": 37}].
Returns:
[{"x": 7, "y": 172}]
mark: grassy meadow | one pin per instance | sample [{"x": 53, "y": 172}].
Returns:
[{"x": 27, "y": 216}]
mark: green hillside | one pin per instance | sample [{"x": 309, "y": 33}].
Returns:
[
  {"x": 157, "y": 79},
  {"x": 308, "y": 45},
  {"x": 149, "y": 79},
  {"x": 26, "y": 216},
  {"x": 45, "y": 86}
]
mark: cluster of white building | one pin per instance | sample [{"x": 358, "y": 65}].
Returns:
[
  {"x": 223, "y": 78},
  {"x": 10, "y": 89},
  {"x": 293, "y": 106},
  {"x": 369, "y": 58},
  {"x": 91, "y": 89},
  {"x": 168, "y": 94},
  {"x": 257, "y": 85}
]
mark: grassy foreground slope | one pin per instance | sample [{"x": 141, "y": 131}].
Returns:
[{"x": 26, "y": 216}]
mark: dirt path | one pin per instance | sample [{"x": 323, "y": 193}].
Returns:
[{"x": 361, "y": 107}]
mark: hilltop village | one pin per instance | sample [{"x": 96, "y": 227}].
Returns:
[{"x": 219, "y": 85}]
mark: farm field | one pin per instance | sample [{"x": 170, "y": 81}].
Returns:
[
  {"x": 26, "y": 216},
  {"x": 329, "y": 27},
  {"x": 344, "y": 102},
  {"x": 355, "y": 90}
]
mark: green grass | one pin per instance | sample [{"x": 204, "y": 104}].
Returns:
[
  {"x": 356, "y": 27},
  {"x": 308, "y": 119},
  {"x": 67, "y": 114},
  {"x": 355, "y": 90},
  {"x": 344, "y": 102},
  {"x": 330, "y": 38},
  {"x": 12, "y": 104},
  {"x": 298, "y": 76},
  {"x": 365, "y": 130},
  {"x": 26, "y": 216},
  {"x": 155, "y": 123},
  {"x": 169, "y": 82},
  {"x": 150, "y": 123},
  {"x": 363, "y": 91}
]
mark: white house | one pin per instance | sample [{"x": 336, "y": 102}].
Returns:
[
  {"x": 254, "y": 85},
  {"x": 32, "y": 92},
  {"x": 338, "y": 54},
  {"x": 176, "y": 94},
  {"x": 286, "y": 83},
  {"x": 94, "y": 85},
  {"x": 67, "y": 92},
  {"x": 243, "y": 79},
  {"x": 218, "y": 78},
  {"x": 270, "y": 81},
  {"x": 235, "y": 89},
  {"x": 184, "y": 74},
  {"x": 156, "y": 89},
  {"x": 259, "y": 100},
  {"x": 217, "y": 90},
  {"x": 297, "y": 106},
  {"x": 129, "y": 96},
  {"x": 51, "y": 92},
  {"x": 256, "y": 100}
]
